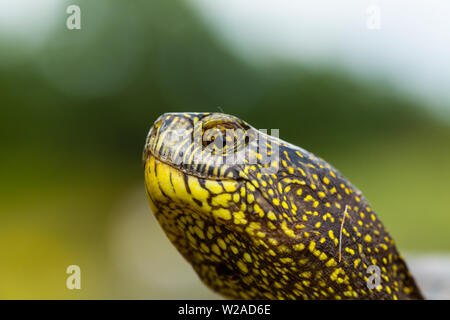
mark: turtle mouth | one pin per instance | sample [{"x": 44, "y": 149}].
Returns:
[
  {"x": 168, "y": 187},
  {"x": 189, "y": 170}
]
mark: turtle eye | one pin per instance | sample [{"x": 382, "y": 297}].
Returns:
[
  {"x": 224, "y": 137},
  {"x": 214, "y": 139}
]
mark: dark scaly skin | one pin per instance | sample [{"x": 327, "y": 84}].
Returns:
[{"x": 255, "y": 236}]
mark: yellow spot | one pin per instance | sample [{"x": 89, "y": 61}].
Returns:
[
  {"x": 241, "y": 265},
  {"x": 250, "y": 187},
  {"x": 221, "y": 200},
  {"x": 303, "y": 261},
  {"x": 298, "y": 247},
  {"x": 326, "y": 180},
  {"x": 213, "y": 186},
  {"x": 258, "y": 210},
  {"x": 199, "y": 232},
  {"x": 285, "y": 260},
  {"x": 335, "y": 274},
  {"x": 252, "y": 227},
  {"x": 215, "y": 249},
  {"x": 323, "y": 256},
  {"x": 221, "y": 244},
  {"x": 302, "y": 172},
  {"x": 306, "y": 274},
  {"x": 271, "y": 225},
  {"x": 287, "y": 230},
  {"x": 331, "y": 234},
  {"x": 239, "y": 218},
  {"x": 276, "y": 201},
  {"x": 271, "y": 216},
  {"x": 368, "y": 238},
  {"x": 204, "y": 247},
  {"x": 247, "y": 257},
  {"x": 331, "y": 263},
  {"x": 222, "y": 214},
  {"x": 351, "y": 251},
  {"x": 200, "y": 193}
]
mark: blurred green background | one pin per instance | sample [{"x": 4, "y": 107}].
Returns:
[{"x": 76, "y": 106}]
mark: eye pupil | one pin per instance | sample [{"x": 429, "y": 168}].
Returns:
[{"x": 208, "y": 142}]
